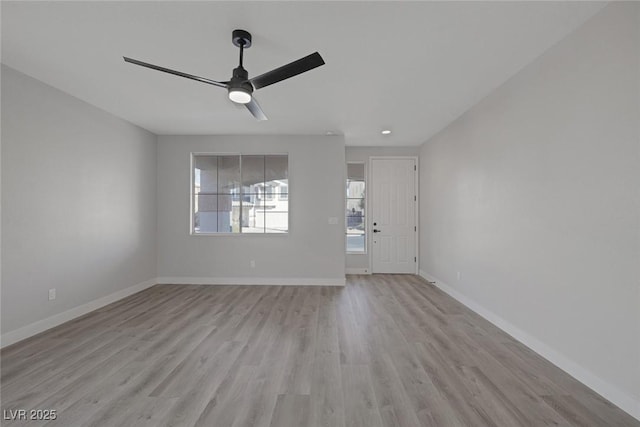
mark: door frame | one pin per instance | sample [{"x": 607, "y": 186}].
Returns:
[{"x": 417, "y": 205}]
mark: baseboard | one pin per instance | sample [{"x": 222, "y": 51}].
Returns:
[
  {"x": 60, "y": 318},
  {"x": 286, "y": 281},
  {"x": 621, "y": 399},
  {"x": 357, "y": 271}
]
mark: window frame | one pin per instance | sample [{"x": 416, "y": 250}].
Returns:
[
  {"x": 192, "y": 157},
  {"x": 366, "y": 207}
]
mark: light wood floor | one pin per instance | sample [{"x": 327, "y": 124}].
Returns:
[{"x": 383, "y": 351}]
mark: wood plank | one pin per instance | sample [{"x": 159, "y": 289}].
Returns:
[
  {"x": 292, "y": 410},
  {"x": 327, "y": 398},
  {"x": 361, "y": 407}
]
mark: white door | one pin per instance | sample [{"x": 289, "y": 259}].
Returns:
[{"x": 392, "y": 228}]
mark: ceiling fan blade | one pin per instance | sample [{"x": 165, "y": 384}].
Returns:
[
  {"x": 286, "y": 71},
  {"x": 176, "y": 73},
  {"x": 255, "y": 109}
]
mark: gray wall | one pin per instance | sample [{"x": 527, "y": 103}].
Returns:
[
  {"x": 362, "y": 154},
  {"x": 313, "y": 249},
  {"x": 78, "y": 202},
  {"x": 533, "y": 195}
]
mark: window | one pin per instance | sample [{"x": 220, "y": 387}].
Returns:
[
  {"x": 268, "y": 192},
  {"x": 356, "y": 205},
  {"x": 229, "y": 194},
  {"x": 284, "y": 192}
]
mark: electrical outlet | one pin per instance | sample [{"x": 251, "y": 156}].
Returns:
[
  {"x": 253, "y": 263},
  {"x": 459, "y": 276},
  {"x": 52, "y": 294}
]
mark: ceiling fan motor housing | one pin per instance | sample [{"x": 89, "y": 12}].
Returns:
[{"x": 240, "y": 80}]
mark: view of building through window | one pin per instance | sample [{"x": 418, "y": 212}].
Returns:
[
  {"x": 356, "y": 204},
  {"x": 236, "y": 194}
]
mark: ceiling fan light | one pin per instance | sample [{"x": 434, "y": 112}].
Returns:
[{"x": 239, "y": 96}]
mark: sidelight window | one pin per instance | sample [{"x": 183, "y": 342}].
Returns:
[{"x": 356, "y": 209}]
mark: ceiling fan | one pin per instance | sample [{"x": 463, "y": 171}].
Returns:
[{"x": 241, "y": 87}]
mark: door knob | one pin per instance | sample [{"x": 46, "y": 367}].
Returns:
[{"x": 376, "y": 231}]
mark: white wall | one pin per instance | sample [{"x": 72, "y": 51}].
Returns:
[
  {"x": 78, "y": 203},
  {"x": 533, "y": 195},
  {"x": 359, "y": 263},
  {"x": 312, "y": 251}
]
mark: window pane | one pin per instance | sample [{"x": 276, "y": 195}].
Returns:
[
  {"x": 276, "y": 169},
  {"x": 252, "y": 219},
  {"x": 205, "y": 203},
  {"x": 205, "y": 174},
  {"x": 355, "y": 223},
  {"x": 284, "y": 192},
  {"x": 228, "y": 174},
  {"x": 277, "y": 216},
  {"x": 252, "y": 173},
  {"x": 250, "y": 199},
  {"x": 205, "y": 217},
  {"x": 227, "y": 213},
  {"x": 276, "y": 222},
  {"x": 269, "y": 192},
  {"x": 355, "y": 171},
  {"x": 355, "y": 207},
  {"x": 355, "y": 241},
  {"x": 355, "y": 189},
  {"x": 276, "y": 177},
  {"x": 235, "y": 218}
]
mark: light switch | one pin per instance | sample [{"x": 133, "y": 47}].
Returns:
[{"x": 333, "y": 220}]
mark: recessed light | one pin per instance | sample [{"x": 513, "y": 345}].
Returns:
[
  {"x": 330, "y": 133},
  {"x": 386, "y": 132}
]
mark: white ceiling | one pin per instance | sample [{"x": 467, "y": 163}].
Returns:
[{"x": 412, "y": 67}]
